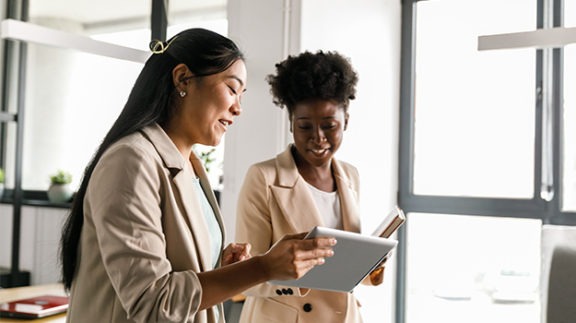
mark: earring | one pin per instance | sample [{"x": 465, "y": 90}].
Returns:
[{"x": 182, "y": 94}]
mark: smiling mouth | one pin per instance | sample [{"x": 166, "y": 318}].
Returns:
[
  {"x": 319, "y": 151},
  {"x": 225, "y": 123}
]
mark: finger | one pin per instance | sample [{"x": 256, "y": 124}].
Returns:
[
  {"x": 314, "y": 254},
  {"x": 244, "y": 253},
  {"x": 307, "y": 265},
  {"x": 322, "y": 243}
]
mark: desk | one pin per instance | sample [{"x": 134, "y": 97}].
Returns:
[{"x": 11, "y": 294}]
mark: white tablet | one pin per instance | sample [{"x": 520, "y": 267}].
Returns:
[{"x": 355, "y": 256}]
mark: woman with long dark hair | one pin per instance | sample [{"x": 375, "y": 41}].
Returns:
[{"x": 144, "y": 238}]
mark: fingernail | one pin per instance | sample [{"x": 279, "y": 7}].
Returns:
[
  {"x": 330, "y": 252},
  {"x": 321, "y": 261},
  {"x": 333, "y": 241}
]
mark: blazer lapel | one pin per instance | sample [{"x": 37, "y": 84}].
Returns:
[
  {"x": 292, "y": 195},
  {"x": 348, "y": 199},
  {"x": 182, "y": 179}
]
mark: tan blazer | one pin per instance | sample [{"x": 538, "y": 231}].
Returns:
[
  {"x": 144, "y": 236},
  {"x": 274, "y": 201}
]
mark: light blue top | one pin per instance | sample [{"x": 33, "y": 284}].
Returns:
[{"x": 211, "y": 223}]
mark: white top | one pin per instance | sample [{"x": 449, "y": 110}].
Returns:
[{"x": 328, "y": 204}]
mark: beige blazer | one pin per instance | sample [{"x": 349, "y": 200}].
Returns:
[
  {"x": 144, "y": 236},
  {"x": 274, "y": 201}
]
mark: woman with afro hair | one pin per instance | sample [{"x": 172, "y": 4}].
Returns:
[{"x": 304, "y": 186}]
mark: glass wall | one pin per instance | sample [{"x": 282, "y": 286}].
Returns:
[{"x": 72, "y": 97}]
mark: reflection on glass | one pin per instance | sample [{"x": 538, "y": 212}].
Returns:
[
  {"x": 471, "y": 269},
  {"x": 474, "y": 111},
  {"x": 569, "y": 136},
  {"x": 72, "y": 99}
]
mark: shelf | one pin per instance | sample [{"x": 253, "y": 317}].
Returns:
[{"x": 33, "y": 198}]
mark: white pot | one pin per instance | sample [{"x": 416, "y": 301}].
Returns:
[{"x": 60, "y": 193}]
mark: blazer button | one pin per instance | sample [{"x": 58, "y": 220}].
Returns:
[
  {"x": 279, "y": 292},
  {"x": 290, "y": 291},
  {"x": 307, "y": 307}
]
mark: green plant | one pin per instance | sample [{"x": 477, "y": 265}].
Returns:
[
  {"x": 1, "y": 175},
  {"x": 207, "y": 159},
  {"x": 61, "y": 177}
]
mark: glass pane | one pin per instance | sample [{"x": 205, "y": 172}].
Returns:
[
  {"x": 72, "y": 100},
  {"x": 569, "y": 166},
  {"x": 468, "y": 269},
  {"x": 474, "y": 110},
  {"x": 88, "y": 18}
]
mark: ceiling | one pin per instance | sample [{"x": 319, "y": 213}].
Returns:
[{"x": 102, "y": 11}]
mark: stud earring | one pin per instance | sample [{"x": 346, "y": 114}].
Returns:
[{"x": 182, "y": 94}]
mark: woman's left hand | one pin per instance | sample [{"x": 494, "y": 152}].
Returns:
[
  {"x": 235, "y": 252},
  {"x": 377, "y": 276}
]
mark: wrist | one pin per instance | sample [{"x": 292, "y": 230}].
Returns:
[{"x": 262, "y": 268}]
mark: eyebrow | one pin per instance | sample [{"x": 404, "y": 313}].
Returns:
[{"x": 323, "y": 118}]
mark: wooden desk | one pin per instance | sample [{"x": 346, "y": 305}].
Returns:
[{"x": 11, "y": 294}]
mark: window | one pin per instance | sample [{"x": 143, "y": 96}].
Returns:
[
  {"x": 72, "y": 100},
  {"x": 486, "y": 150},
  {"x": 466, "y": 101},
  {"x": 569, "y": 116}
]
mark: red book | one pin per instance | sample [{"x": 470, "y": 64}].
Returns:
[{"x": 34, "y": 307}]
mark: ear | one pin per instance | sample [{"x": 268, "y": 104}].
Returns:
[
  {"x": 180, "y": 75},
  {"x": 346, "y": 120}
]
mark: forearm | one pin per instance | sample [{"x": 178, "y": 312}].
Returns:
[{"x": 221, "y": 284}]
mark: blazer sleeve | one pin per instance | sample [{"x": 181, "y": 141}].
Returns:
[{"x": 125, "y": 206}]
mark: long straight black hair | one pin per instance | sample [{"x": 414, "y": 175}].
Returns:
[{"x": 150, "y": 101}]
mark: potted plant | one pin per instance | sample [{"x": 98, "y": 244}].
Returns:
[
  {"x": 60, "y": 190},
  {"x": 1, "y": 182}
]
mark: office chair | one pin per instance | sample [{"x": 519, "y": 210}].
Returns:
[{"x": 561, "y": 307}]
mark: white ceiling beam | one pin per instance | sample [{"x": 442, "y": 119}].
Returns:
[
  {"x": 30, "y": 33},
  {"x": 541, "y": 38}
]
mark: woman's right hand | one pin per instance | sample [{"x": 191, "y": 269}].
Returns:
[{"x": 293, "y": 256}]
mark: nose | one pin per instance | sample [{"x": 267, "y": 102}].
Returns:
[
  {"x": 319, "y": 135},
  {"x": 236, "y": 109}
]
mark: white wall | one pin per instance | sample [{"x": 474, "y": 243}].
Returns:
[
  {"x": 257, "y": 26},
  {"x": 367, "y": 31}
]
